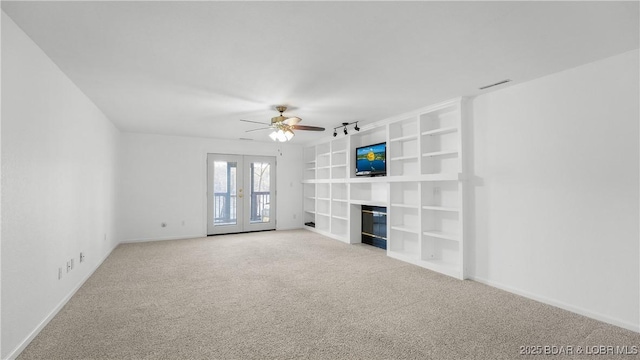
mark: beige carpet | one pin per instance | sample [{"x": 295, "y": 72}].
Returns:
[{"x": 298, "y": 295}]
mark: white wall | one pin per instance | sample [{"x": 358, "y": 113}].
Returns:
[
  {"x": 555, "y": 192},
  {"x": 1, "y": 17},
  {"x": 59, "y": 156},
  {"x": 163, "y": 179}
]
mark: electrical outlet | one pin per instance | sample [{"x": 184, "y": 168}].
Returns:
[
  {"x": 71, "y": 264},
  {"x": 68, "y": 266},
  {"x": 59, "y": 273},
  {"x": 81, "y": 257},
  {"x": 164, "y": 224}
]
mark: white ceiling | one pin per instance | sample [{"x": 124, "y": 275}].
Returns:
[{"x": 196, "y": 68}]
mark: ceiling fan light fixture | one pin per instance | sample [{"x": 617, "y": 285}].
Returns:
[
  {"x": 274, "y": 135},
  {"x": 282, "y": 127},
  {"x": 281, "y": 136},
  {"x": 288, "y": 134}
]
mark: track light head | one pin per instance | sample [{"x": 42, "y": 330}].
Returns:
[{"x": 344, "y": 128}]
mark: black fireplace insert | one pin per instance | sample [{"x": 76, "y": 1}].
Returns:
[{"x": 374, "y": 226}]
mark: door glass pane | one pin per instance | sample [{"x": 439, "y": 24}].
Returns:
[
  {"x": 260, "y": 192},
  {"x": 224, "y": 193}
]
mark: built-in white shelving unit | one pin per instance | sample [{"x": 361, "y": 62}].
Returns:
[
  {"x": 423, "y": 190},
  {"x": 403, "y": 153},
  {"x": 309, "y": 163},
  {"x": 339, "y": 161},
  {"x": 309, "y": 188}
]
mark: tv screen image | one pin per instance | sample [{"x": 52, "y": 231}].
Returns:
[{"x": 371, "y": 159}]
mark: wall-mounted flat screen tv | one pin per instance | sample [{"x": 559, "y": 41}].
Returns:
[{"x": 371, "y": 160}]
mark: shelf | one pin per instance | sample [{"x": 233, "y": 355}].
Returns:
[
  {"x": 441, "y": 208},
  {"x": 310, "y": 211},
  {"x": 409, "y": 206},
  {"x": 441, "y": 153},
  {"x": 404, "y": 229},
  {"x": 401, "y": 158},
  {"x": 369, "y": 202},
  {"x": 401, "y": 178},
  {"x": 341, "y": 165},
  {"x": 424, "y": 177},
  {"x": 369, "y": 179},
  {"x": 343, "y": 151},
  {"x": 310, "y": 197},
  {"x": 323, "y": 167},
  {"x": 323, "y": 214},
  {"x": 311, "y": 162},
  {"x": 404, "y": 256},
  {"x": 340, "y": 217},
  {"x": 324, "y": 199},
  {"x": 441, "y": 235},
  {"x": 405, "y": 138},
  {"x": 441, "y": 131},
  {"x": 340, "y": 200},
  {"x": 441, "y": 177}
]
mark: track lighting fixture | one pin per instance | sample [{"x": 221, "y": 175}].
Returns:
[{"x": 344, "y": 128}]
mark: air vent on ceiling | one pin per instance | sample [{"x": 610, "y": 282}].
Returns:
[{"x": 496, "y": 84}]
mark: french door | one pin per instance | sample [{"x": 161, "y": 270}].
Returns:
[{"x": 240, "y": 193}]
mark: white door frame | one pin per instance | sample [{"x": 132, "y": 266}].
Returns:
[{"x": 243, "y": 222}]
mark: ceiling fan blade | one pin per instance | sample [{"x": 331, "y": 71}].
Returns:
[
  {"x": 255, "y": 122},
  {"x": 292, "y": 120},
  {"x": 306, "y": 127},
  {"x": 267, "y": 128}
]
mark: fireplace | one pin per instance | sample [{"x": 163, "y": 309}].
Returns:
[{"x": 374, "y": 226}]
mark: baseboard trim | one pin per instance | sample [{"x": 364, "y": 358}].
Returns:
[
  {"x": 342, "y": 239},
  {"x": 183, "y": 237},
  {"x": 23, "y": 345},
  {"x": 559, "y": 304},
  {"x": 293, "y": 227},
  {"x": 179, "y": 237}
]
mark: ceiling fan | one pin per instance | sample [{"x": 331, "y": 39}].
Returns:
[{"x": 283, "y": 126}]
